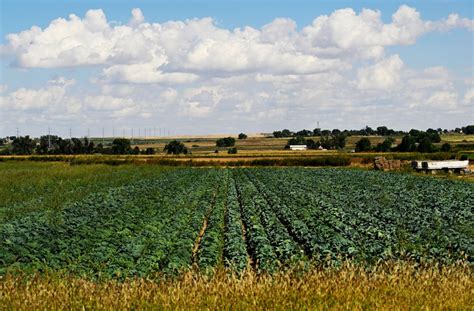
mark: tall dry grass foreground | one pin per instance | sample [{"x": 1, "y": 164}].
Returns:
[{"x": 397, "y": 287}]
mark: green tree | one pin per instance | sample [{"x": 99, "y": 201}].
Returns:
[
  {"x": 468, "y": 130},
  {"x": 232, "y": 150},
  {"x": 339, "y": 141},
  {"x": 446, "y": 147},
  {"x": 298, "y": 140},
  {"x": 408, "y": 144},
  {"x": 119, "y": 146},
  {"x": 149, "y": 150},
  {"x": 242, "y": 136},
  {"x": 23, "y": 145},
  {"x": 386, "y": 145},
  {"x": 175, "y": 147},
  {"x": 225, "y": 142},
  {"x": 277, "y": 134},
  {"x": 363, "y": 144},
  {"x": 425, "y": 145}
]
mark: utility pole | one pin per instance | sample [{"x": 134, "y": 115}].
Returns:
[
  {"x": 70, "y": 133},
  {"x": 49, "y": 138}
]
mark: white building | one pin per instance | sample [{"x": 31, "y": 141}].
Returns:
[{"x": 298, "y": 147}]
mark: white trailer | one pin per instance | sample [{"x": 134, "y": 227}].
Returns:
[
  {"x": 448, "y": 165},
  {"x": 298, "y": 147}
]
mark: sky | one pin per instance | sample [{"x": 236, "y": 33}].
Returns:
[{"x": 212, "y": 67}]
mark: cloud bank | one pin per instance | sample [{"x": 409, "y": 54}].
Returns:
[{"x": 335, "y": 68}]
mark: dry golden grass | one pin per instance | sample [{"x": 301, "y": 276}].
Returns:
[{"x": 398, "y": 286}]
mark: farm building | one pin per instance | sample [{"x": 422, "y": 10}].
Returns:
[{"x": 298, "y": 147}]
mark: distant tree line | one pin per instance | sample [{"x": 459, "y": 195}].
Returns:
[
  {"x": 367, "y": 131},
  {"x": 336, "y": 141},
  {"x": 414, "y": 141},
  {"x": 54, "y": 145}
]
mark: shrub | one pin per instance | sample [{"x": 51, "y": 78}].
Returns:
[
  {"x": 121, "y": 146},
  {"x": 242, "y": 136},
  {"x": 363, "y": 145},
  {"x": 232, "y": 151},
  {"x": 225, "y": 142},
  {"x": 446, "y": 147},
  {"x": 175, "y": 147}
]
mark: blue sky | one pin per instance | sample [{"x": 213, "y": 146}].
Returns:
[{"x": 441, "y": 52}]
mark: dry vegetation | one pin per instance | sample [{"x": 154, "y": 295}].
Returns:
[{"x": 393, "y": 286}]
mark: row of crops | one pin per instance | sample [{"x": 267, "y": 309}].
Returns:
[{"x": 260, "y": 218}]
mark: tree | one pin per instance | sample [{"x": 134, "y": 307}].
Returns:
[
  {"x": 286, "y": 133},
  {"x": 175, "y": 147},
  {"x": 363, "y": 145},
  {"x": 325, "y": 132},
  {"x": 425, "y": 145},
  {"x": 325, "y": 142},
  {"x": 225, "y": 142},
  {"x": 317, "y": 132},
  {"x": 48, "y": 144},
  {"x": 382, "y": 131},
  {"x": 232, "y": 150},
  {"x": 311, "y": 144},
  {"x": 23, "y": 145},
  {"x": 119, "y": 146},
  {"x": 367, "y": 131},
  {"x": 446, "y": 147},
  {"x": 304, "y": 133},
  {"x": 89, "y": 145},
  {"x": 339, "y": 141},
  {"x": 386, "y": 146},
  {"x": 77, "y": 146},
  {"x": 242, "y": 136},
  {"x": 149, "y": 150},
  {"x": 408, "y": 144},
  {"x": 298, "y": 140},
  {"x": 468, "y": 130},
  {"x": 277, "y": 134}
]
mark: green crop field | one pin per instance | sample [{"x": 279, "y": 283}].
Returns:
[
  {"x": 265, "y": 219},
  {"x": 145, "y": 236}
]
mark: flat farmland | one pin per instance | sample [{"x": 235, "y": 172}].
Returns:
[
  {"x": 170, "y": 237},
  {"x": 259, "y": 144},
  {"x": 264, "y": 219}
]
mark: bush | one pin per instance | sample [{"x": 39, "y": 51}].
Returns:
[
  {"x": 175, "y": 147},
  {"x": 386, "y": 146},
  {"x": 446, "y": 147},
  {"x": 121, "y": 146},
  {"x": 148, "y": 150},
  {"x": 225, "y": 142},
  {"x": 232, "y": 151},
  {"x": 426, "y": 145},
  {"x": 363, "y": 145},
  {"x": 242, "y": 136}
]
